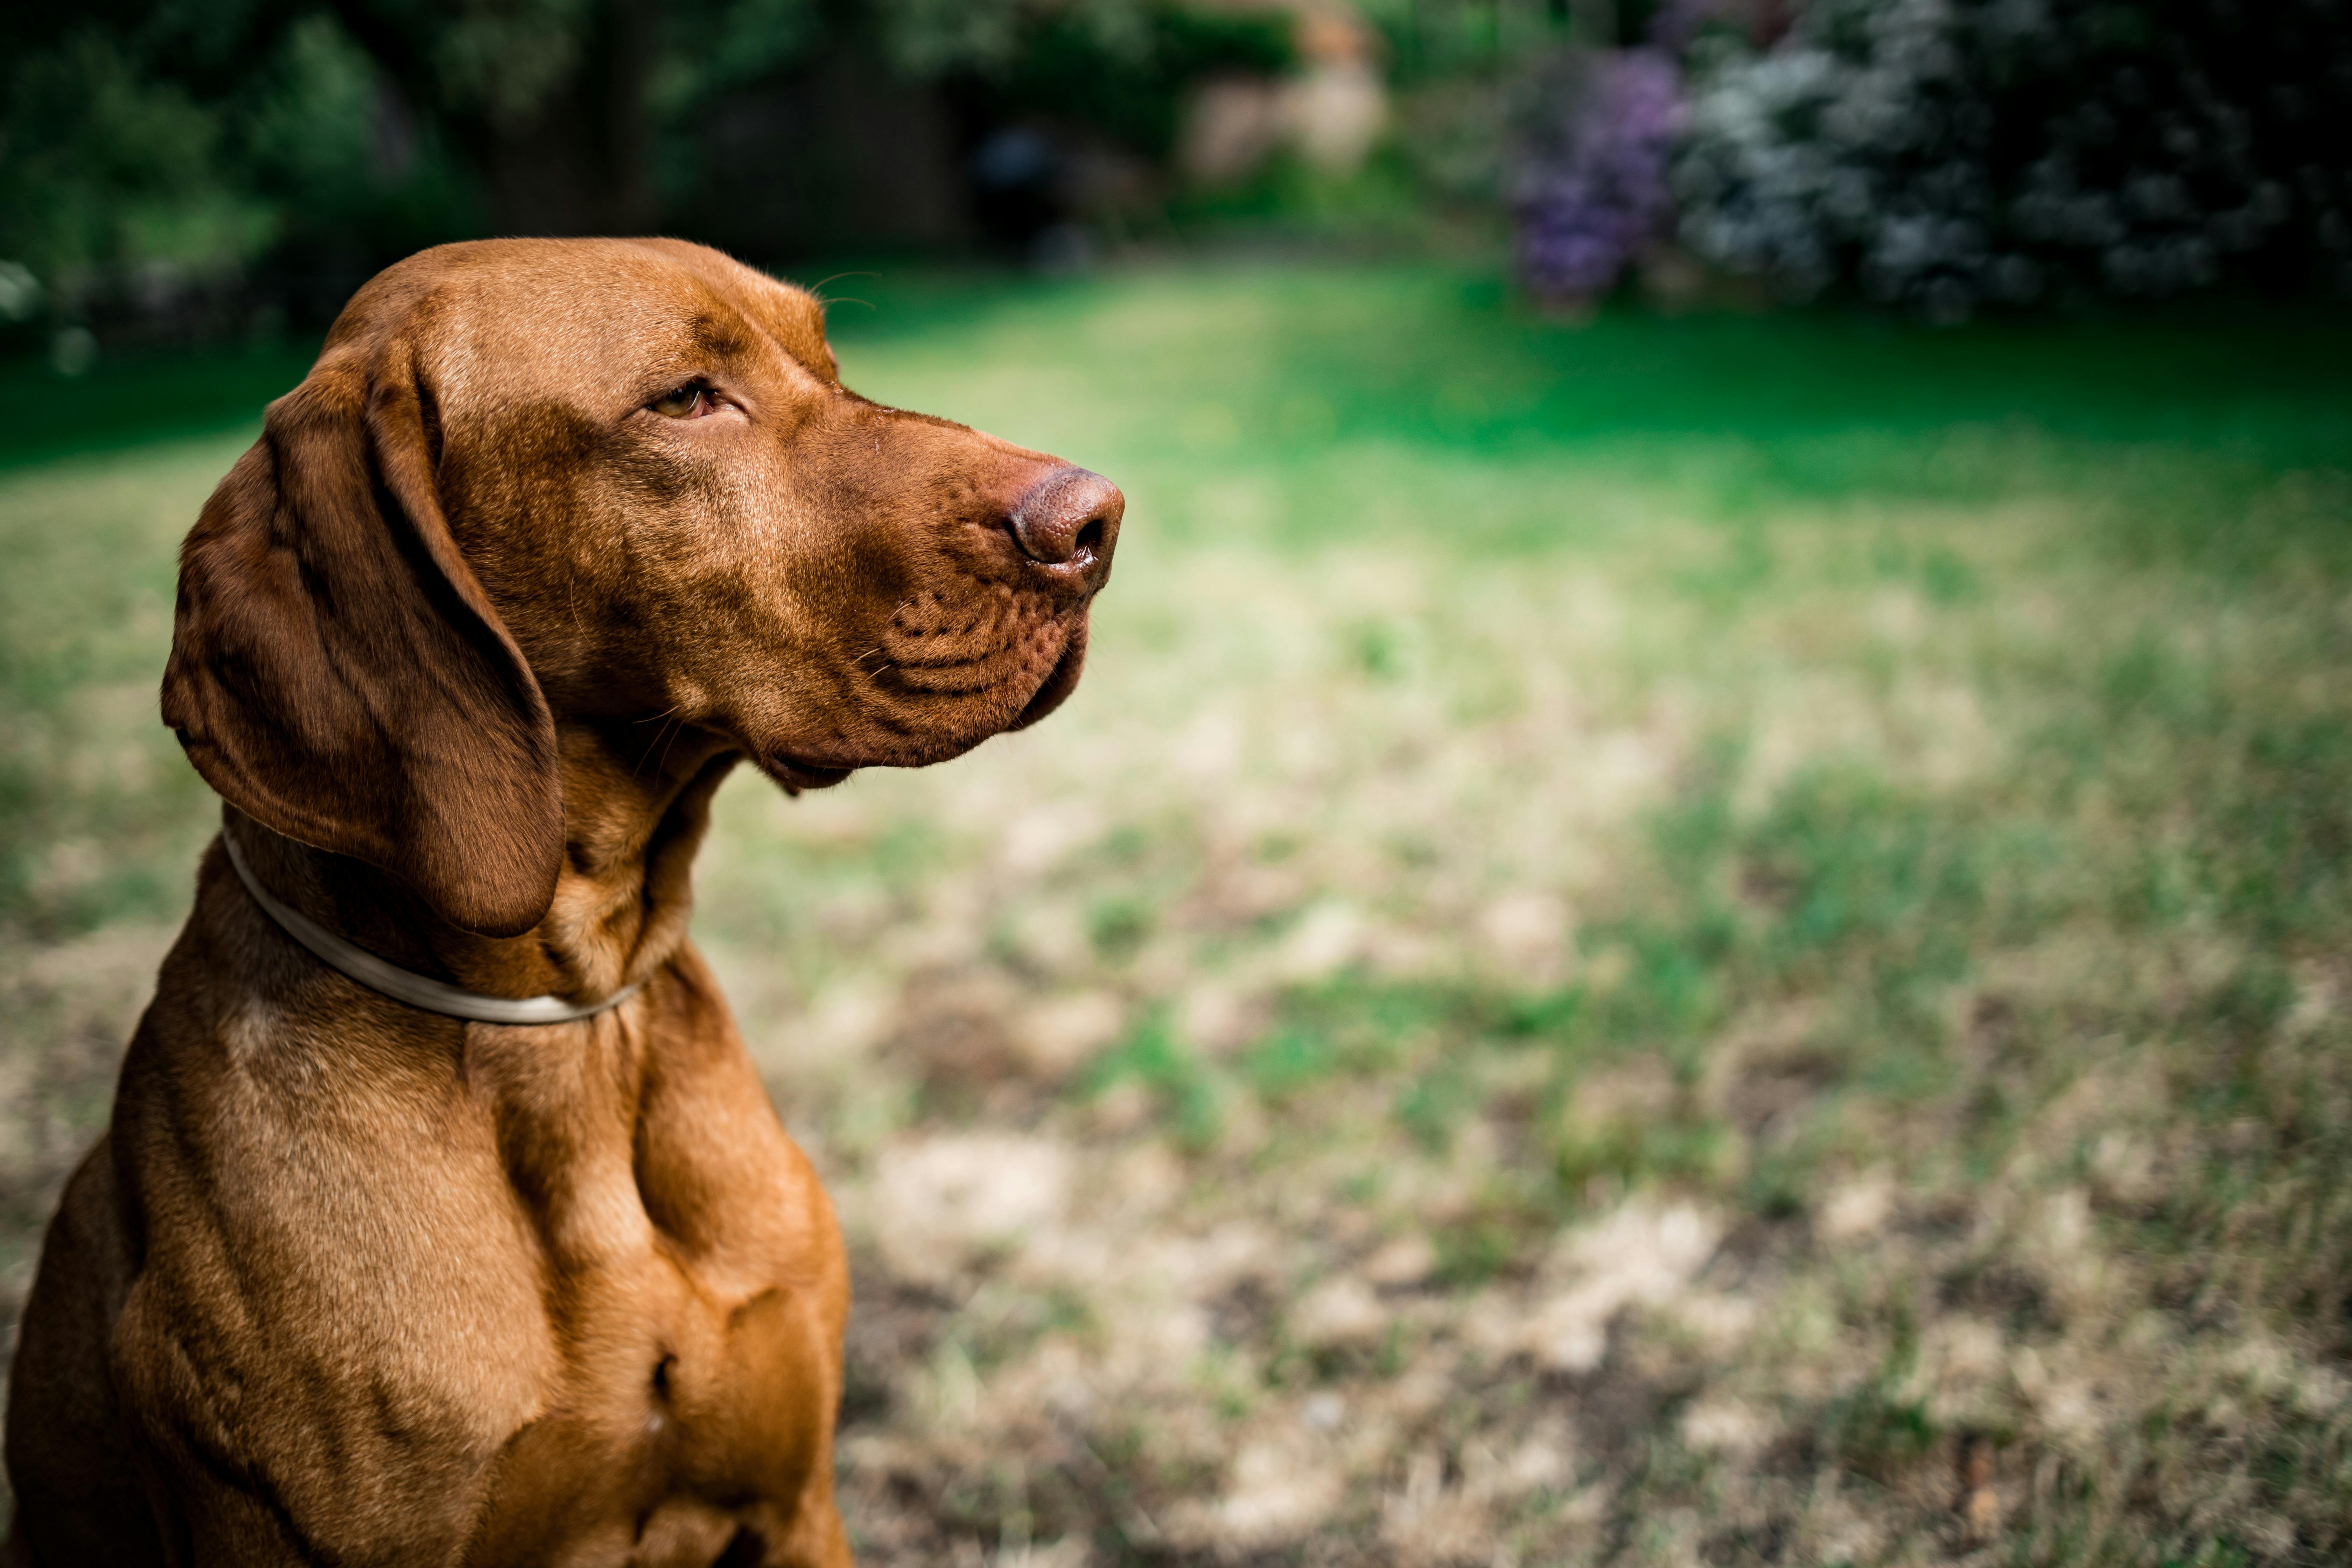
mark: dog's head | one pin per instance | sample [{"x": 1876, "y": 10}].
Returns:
[{"x": 531, "y": 481}]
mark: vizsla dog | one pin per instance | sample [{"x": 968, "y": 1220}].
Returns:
[{"x": 553, "y": 535}]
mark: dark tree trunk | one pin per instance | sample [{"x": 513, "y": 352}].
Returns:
[
  {"x": 838, "y": 155},
  {"x": 577, "y": 162},
  {"x": 581, "y": 164}
]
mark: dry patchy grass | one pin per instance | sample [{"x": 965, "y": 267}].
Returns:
[{"x": 1540, "y": 1006}]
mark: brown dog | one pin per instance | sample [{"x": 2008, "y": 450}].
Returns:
[{"x": 553, "y": 534}]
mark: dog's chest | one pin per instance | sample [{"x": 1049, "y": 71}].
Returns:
[
  {"x": 678, "y": 1412},
  {"x": 693, "y": 1327},
  {"x": 567, "y": 1305}
]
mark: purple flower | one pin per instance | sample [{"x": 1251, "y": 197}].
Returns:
[{"x": 1591, "y": 187}]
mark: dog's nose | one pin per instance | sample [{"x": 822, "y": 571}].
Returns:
[{"x": 1067, "y": 522}]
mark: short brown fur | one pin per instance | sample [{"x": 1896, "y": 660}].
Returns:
[{"x": 465, "y": 642}]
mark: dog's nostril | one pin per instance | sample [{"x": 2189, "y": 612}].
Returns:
[
  {"x": 1041, "y": 536},
  {"x": 746, "y": 1549},
  {"x": 1069, "y": 517}
]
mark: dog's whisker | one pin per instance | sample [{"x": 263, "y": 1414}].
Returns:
[
  {"x": 674, "y": 734},
  {"x": 636, "y": 772}
]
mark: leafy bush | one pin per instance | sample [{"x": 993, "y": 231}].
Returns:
[
  {"x": 141, "y": 178},
  {"x": 1943, "y": 154}
]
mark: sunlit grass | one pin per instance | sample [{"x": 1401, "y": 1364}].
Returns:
[{"x": 1640, "y": 940}]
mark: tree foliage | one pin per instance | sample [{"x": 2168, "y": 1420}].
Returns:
[{"x": 181, "y": 139}]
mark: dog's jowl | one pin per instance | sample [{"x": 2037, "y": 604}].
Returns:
[{"x": 442, "y": 1217}]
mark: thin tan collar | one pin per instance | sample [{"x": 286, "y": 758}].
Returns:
[{"x": 406, "y": 985}]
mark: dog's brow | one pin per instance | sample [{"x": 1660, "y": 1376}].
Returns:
[
  {"x": 760, "y": 324},
  {"x": 718, "y": 338}
]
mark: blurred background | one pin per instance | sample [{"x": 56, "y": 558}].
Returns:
[{"x": 1698, "y": 905}]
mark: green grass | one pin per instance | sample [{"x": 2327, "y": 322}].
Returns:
[
  {"x": 126, "y": 400},
  {"x": 1406, "y": 353},
  {"x": 1641, "y": 937}
]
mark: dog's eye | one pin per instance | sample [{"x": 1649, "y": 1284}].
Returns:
[{"x": 686, "y": 402}]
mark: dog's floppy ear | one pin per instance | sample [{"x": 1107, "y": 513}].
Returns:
[{"x": 337, "y": 673}]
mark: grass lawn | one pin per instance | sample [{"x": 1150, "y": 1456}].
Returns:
[{"x": 1713, "y": 940}]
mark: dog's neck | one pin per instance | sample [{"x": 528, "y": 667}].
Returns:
[{"x": 635, "y": 807}]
